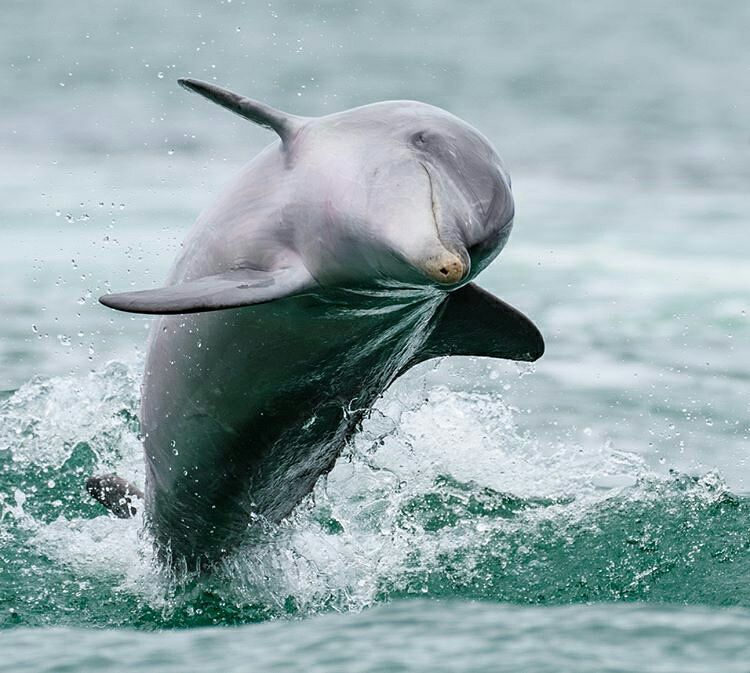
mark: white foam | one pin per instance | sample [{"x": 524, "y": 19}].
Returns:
[
  {"x": 353, "y": 534},
  {"x": 410, "y": 442}
]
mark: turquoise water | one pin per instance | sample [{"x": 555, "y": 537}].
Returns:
[
  {"x": 589, "y": 514},
  {"x": 420, "y": 635}
]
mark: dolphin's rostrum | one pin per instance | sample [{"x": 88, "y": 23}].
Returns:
[{"x": 342, "y": 256}]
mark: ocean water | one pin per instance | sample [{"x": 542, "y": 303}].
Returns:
[{"x": 590, "y": 513}]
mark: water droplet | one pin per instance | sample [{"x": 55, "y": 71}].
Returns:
[
  {"x": 51, "y": 483},
  {"x": 160, "y": 75},
  {"x": 525, "y": 368},
  {"x": 170, "y": 152}
]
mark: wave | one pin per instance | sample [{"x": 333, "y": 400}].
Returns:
[
  {"x": 417, "y": 635},
  {"x": 440, "y": 495}
]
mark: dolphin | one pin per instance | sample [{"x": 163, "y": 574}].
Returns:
[{"x": 341, "y": 256}]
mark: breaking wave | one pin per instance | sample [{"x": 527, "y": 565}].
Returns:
[{"x": 439, "y": 495}]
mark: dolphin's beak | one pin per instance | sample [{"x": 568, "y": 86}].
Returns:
[{"x": 446, "y": 268}]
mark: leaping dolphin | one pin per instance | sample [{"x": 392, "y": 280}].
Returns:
[{"x": 342, "y": 256}]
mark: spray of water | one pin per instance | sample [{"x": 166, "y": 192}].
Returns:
[{"x": 439, "y": 494}]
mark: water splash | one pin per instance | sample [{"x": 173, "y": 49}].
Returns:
[{"x": 438, "y": 495}]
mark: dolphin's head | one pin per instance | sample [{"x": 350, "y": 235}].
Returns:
[
  {"x": 394, "y": 191},
  {"x": 423, "y": 196}
]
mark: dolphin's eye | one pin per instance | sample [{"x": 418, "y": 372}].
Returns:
[{"x": 419, "y": 139}]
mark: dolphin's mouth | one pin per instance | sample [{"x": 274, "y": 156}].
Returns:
[
  {"x": 433, "y": 204},
  {"x": 450, "y": 266}
]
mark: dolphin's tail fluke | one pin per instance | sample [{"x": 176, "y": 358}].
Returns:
[{"x": 118, "y": 495}]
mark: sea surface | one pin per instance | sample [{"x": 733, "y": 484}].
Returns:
[{"x": 589, "y": 513}]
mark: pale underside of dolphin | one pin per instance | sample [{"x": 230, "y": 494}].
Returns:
[{"x": 342, "y": 256}]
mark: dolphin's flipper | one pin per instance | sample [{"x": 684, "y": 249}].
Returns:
[
  {"x": 285, "y": 124},
  {"x": 241, "y": 287},
  {"x": 471, "y": 321},
  {"x": 119, "y": 496}
]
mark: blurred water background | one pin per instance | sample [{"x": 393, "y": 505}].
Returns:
[{"x": 614, "y": 473}]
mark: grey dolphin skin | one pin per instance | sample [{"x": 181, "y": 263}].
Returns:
[{"x": 342, "y": 256}]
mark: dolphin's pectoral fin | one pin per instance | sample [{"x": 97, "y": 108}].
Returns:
[
  {"x": 471, "y": 321},
  {"x": 119, "y": 496},
  {"x": 241, "y": 287}
]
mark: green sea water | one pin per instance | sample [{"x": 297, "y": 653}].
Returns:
[{"x": 591, "y": 513}]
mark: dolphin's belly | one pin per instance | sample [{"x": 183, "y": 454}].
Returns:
[{"x": 243, "y": 410}]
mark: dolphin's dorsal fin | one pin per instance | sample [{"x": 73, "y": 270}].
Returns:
[
  {"x": 232, "y": 289},
  {"x": 285, "y": 124},
  {"x": 471, "y": 321}
]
